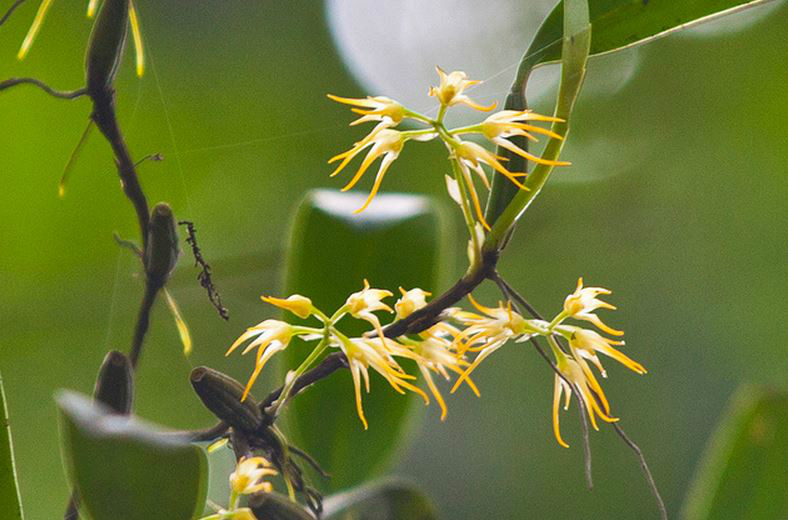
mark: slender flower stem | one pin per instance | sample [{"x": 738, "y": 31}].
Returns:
[
  {"x": 467, "y": 213},
  {"x": 663, "y": 512}
]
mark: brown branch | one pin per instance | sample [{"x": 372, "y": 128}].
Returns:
[
  {"x": 143, "y": 322},
  {"x": 11, "y": 11},
  {"x": 106, "y": 121},
  {"x": 328, "y": 366},
  {"x": 429, "y": 315}
]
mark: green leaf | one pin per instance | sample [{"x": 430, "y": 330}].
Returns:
[
  {"x": 619, "y": 24},
  {"x": 123, "y": 468},
  {"x": 388, "y": 500},
  {"x": 511, "y": 203},
  {"x": 9, "y": 490},
  {"x": 395, "y": 242},
  {"x": 744, "y": 472},
  {"x": 616, "y": 25}
]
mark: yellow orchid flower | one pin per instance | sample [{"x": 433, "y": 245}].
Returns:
[
  {"x": 508, "y": 123},
  {"x": 473, "y": 155},
  {"x": 582, "y": 303},
  {"x": 272, "y": 336},
  {"x": 364, "y": 303},
  {"x": 410, "y": 302},
  {"x": 435, "y": 353},
  {"x": 249, "y": 475},
  {"x": 452, "y": 86},
  {"x": 384, "y": 142},
  {"x": 299, "y": 305},
  {"x": 586, "y": 343},
  {"x": 378, "y": 108},
  {"x": 589, "y": 392},
  {"x": 363, "y": 353},
  {"x": 488, "y": 332}
]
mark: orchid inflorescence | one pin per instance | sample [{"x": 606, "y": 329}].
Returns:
[
  {"x": 447, "y": 346},
  {"x": 466, "y": 157}
]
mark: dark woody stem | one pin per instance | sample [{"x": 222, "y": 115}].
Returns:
[
  {"x": 62, "y": 94},
  {"x": 11, "y": 11}
]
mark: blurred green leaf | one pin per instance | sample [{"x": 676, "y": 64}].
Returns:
[
  {"x": 274, "y": 506},
  {"x": 124, "y": 469},
  {"x": 395, "y": 242},
  {"x": 10, "y": 501},
  {"x": 744, "y": 472},
  {"x": 508, "y": 202},
  {"x": 387, "y": 500},
  {"x": 618, "y": 24}
]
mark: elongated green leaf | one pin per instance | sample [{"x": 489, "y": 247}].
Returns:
[
  {"x": 510, "y": 204},
  {"x": 124, "y": 469},
  {"x": 9, "y": 491},
  {"x": 616, "y": 25},
  {"x": 387, "y": 500},
  {"x": 619, "y": 24},
  {"x": 395, "y": 242},
  {"x": 744, "y": 473}
]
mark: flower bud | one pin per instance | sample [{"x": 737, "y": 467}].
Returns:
[
  {"x": 274, "y": 506},
  {"x": 115, "y": 383},
  {"x": 161, "y": 251},
  {"x": 105, "y": 48},
  {"x": 222, "y": 394}
]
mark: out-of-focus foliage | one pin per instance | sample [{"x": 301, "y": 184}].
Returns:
[
  {"x": 9, "y": 491},
  {"x": 744, "y": 474},
  {"x": 124, "y": 469},
  {"x": 621, "y": 23},
  {"x": 395, "y": 242},
  {"x": 386, "y": 500},
  {"x": 678, "y": 178}
]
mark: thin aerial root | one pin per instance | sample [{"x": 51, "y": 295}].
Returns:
[
  {"x": 62, "y": 94},
  {"x": 205, "y": 270},
  {"x": 663, "y": 513},
  {"x": 586, "y": 441}
]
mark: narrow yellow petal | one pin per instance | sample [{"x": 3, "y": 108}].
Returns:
[
  {"x": 384, "y": 166},
  {"x": 593, "y": 318},
  {"x": 368, "y": 160},
  {"x": 33, "y": 32},
  {"x": 434, "y": 389},
  {"x": 183, "y": 329},
  {"x": 252, "y": 379},
  {"x": 531, "y": 157},
  {"x": 92, "y": 5},
  {"x": 354, "y": 370},
  {"x": 556, "y": 403},
  {"x": 475, "y": 199},
  {"x": 139, "y": 52},
  {"x": 61, "y": 188},
  {"x": 360, "y": 102}
]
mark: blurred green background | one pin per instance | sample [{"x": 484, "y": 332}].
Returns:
[{"x": 676, "y": 200}]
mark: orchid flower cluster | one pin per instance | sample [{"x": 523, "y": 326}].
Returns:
[
  {"x": 466, "y": 157},
  {"x": 447, "y": 346}
]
